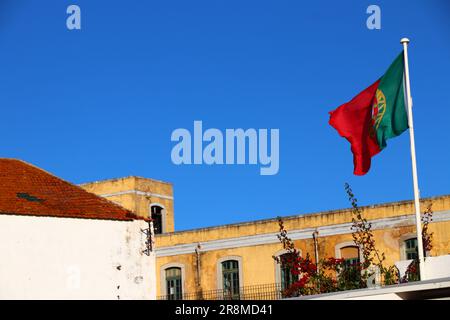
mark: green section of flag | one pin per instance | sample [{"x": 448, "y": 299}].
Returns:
[{"x": 389, "y": 114}]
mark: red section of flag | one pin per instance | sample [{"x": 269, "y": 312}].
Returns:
[{"x": 353, "y": 121}]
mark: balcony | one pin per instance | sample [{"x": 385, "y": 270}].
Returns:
[
  {"x": 270, "y": 291},
  {"x": 437, "y": 272}
]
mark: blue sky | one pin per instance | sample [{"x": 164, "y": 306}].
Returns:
[{"x": 103, "y": 101}]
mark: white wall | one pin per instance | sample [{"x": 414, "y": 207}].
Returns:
[
  {"x": 64, "y": 258},
  {"x": 437, "y": 267},
  {"x": 436, "y": 289}
]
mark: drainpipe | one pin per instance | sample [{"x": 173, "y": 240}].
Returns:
[
  {"x": 199, "y": 282},
  {"x": 316, "y": 246},
  {"x": 316, "y": 251}
]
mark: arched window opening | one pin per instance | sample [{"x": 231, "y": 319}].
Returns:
[
  {"x": 351, "y": 271},
  {"x": 286, "y": 267},
  {"x": 156, "y": 215},
  {"x": 350, "y": 254},
  {"x": 230, "y": 278},
  {"x": 174, "y": 290}
]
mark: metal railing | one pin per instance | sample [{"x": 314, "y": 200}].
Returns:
[{"x": 272, "y": 291}]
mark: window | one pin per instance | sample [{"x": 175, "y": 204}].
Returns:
[
  {"x": 230, "y": 279},
  {"x": 174, "y": 290},
  {"x": 156, "y": 215},
  {"x": 286, "y": 264},
  {"x": 351, "y": 255},
  {"x": 411, "y": 249},
  {"x": 351, "y": 272}
]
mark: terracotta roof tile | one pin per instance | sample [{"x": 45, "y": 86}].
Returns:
[{"x": 28, "y": 190}]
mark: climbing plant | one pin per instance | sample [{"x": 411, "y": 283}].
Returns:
[{"x": 332, "y": 274}]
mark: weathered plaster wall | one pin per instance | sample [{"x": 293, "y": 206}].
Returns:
[
  {"x": 301, "y": 221},
  {"x": 137, "y": 194},
  {"x": 256, "y": 242},
  {"x": 64, "y": 258}
]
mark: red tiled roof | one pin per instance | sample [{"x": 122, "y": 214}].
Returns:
[{"x": 28, "y": 190}]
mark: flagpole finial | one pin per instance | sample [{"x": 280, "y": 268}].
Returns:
[{"x": 404, "y": 40}]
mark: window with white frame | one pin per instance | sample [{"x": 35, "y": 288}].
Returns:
[
  {"x": 287, "y": 277},
  {"x": 230, "y": 278},
  {"x": 411, "y": 248},
  {"x": 174, "y": 287},
  {"x": 350, "y": 254}
]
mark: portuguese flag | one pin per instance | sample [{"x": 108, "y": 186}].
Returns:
[{"x": 375, "y": 115}]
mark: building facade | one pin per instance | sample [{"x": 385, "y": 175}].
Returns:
[
  {"x": 58, "y": 241},
  {"x": 147, "y": 198},
  {"x": 115, "y": 239},
  {"x": 237, "y": 259}
]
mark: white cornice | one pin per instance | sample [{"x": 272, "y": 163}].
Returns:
[
  {"x": 268, "y": 238},
  {"x": 137, "y": 192}
]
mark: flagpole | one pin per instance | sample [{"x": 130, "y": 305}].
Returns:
[{"x": 405, "y": 42}]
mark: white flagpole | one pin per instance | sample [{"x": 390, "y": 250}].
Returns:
[{"x": 405, "y": 42}]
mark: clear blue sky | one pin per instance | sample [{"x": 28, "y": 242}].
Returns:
[{"x": 102, "y": 102}]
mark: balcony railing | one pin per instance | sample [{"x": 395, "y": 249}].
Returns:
[
  {"x": 437, "y": 267},
  {"x": 272, "y": 291}
]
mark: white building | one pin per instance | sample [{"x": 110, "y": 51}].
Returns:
[{"x": 58, "y": 241}]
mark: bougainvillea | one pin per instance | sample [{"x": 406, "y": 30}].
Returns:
[
  {"x": 332, "y": 274},
  {"x": 412, "y": 272}
]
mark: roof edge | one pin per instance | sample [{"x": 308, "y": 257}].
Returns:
[
  {"x": 126, "y": 219},
  {"x": 123, "y": 178},
  {"x": 301, "y": 215},
  {"x": 129, "y": 213}
]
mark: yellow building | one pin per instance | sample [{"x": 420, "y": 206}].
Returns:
[
  {"x": 145, "y": 197},
  {"x": 199, "y": 263}
]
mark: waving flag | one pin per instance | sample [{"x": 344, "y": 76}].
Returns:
[{"x": 375, "y": 115}]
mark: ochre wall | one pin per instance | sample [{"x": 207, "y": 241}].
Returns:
[
  {"x": 299, "y": 222},
  {"x": 258, "y": 265},
  {"x": 161, "y": 193}
]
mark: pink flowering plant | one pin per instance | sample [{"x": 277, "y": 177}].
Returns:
[{"x": 332, "y": 274}]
